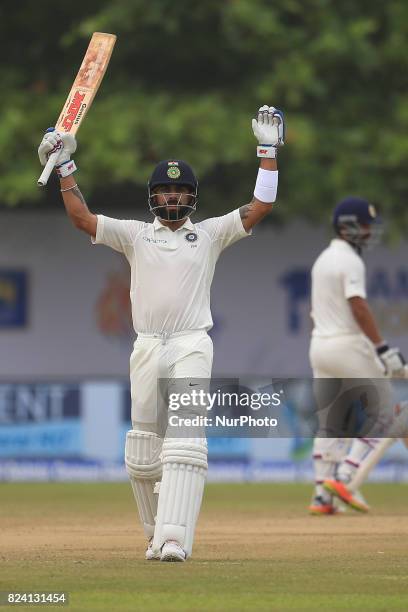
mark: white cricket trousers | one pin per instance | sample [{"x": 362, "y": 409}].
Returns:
[
  {"x": 183, "y": 355},
  {"x": 351, "y": 356}
]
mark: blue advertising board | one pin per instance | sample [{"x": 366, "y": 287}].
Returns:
[{"x": 13, "y": 298}]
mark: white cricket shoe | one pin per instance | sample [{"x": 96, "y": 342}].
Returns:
[
  {"x": 172, "y": 551},
  {"x": 150, "y": 554}
]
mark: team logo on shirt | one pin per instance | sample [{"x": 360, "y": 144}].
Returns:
[
  {"x": 191, "y": 237},
  {"x": 173, "y": 172}
]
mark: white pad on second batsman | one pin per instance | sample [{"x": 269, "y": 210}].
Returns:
[
  {"x": 181, "y": 491},
  {"x": 143, "y": 465},
  {"x": 327, "y": 454}
]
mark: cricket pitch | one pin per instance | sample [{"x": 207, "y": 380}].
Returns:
[{"x": 256, "y": 549}]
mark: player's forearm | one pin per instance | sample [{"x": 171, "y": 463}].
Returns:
[
  {"x": 268, "y": 195},
  {"x": 265, "y": 206},
  {"x": 370, "y": 329},
  {"x": 268, "y": 164},
  {"x": 74, "y": 201},
  {"x": 365, "y": 319},
  {"x": 264, "y": 195}
]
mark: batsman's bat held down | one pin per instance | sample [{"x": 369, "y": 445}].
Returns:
[{"x": 83, "y": 91}]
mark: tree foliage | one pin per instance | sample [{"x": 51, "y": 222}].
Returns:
[{"x": 185, "y": 80}]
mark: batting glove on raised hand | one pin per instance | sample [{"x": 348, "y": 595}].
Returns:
[
  {"x": 269, "y": 130},
  {"x": 54, "y": 141},
  {"x": 393, "y": 361}
]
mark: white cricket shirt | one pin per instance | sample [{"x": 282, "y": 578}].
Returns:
[
  {"x": 337, "y": 275},
  {"x": 171, "y": 272}
]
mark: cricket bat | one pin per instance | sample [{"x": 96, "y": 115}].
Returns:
[
  {"x": 83, "y": 91},
  {"x": 368, "y": 464}
]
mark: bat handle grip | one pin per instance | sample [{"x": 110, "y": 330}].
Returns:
[{"x": 45, "y": 174}]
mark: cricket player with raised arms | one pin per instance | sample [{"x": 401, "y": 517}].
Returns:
[{"x": 172, "y": 263}]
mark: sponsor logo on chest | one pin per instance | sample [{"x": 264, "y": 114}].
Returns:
[
  {"x": 154, "y": 240},
  {"x": 191, "y": 238}
]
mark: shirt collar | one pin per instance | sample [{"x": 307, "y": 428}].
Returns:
[
  {"x": 188, "y": 224},
  {"x": 343, "y": 244}
]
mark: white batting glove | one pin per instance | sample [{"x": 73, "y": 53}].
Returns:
[
  {"x": 64, "y": 143},
  {"x": 392, "y": 360},
  {"x": 269, "y": 130}
]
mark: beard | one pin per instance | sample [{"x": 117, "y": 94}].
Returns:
[{"x": 174, "y": 215}]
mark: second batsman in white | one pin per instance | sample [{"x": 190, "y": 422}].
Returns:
[
  {"x": 172, "y": 264},
  {"x": 347, "y": 344}
]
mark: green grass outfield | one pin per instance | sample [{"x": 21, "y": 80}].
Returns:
[{"x": 256, "y": 549}]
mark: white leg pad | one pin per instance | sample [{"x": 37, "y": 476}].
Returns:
[
  {"x": 331, "y": 449},
  {"x": 181, "y": 491},
  {"x": 143, "y": 465}
]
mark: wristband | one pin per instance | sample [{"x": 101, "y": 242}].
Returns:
[
  {"x": 266, "y": 186},
  {"x": 66, "y": 168},
  {"x": 382, "y": 348},
  {"x": 266, "y": 151},
  {"x": 68, "y": 188}
]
